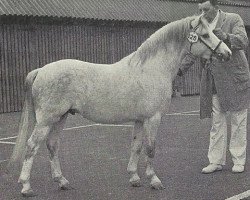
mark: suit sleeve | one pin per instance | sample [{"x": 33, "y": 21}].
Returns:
[
  {"x": 188, "y": 60},
  {"x": 238, "y": 38}
]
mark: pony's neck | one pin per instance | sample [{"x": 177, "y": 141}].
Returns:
[{"x": 162, "y": 51}]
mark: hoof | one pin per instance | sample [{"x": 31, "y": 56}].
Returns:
[
  {"x": 66, "y": 187},
  {"x": 157, "y": 186},
  {"x": 29, "y": 193},
  {"x": 135, "y": 183},
  {"x": 135, "y": 180}
]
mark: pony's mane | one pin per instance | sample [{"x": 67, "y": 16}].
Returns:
[{"x": 174, "y": 31}]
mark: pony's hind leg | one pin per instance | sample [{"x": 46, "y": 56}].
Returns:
[
  {"x": 151, "y": 127},
  {"x": 136, "y": 147},
  {"x": 53, "y": 147},
  {"x": 38, "y": 135}
]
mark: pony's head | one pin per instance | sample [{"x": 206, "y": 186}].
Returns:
[
  {"x": 204, "y": 43},
  {"x": 189, "y": 34}
]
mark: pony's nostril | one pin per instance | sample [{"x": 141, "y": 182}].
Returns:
[
  {"x": 220, "y": 56},
  {"x": 229, "y": 56}
]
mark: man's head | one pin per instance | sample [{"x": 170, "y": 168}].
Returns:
[{"x": 209, "y": 8}]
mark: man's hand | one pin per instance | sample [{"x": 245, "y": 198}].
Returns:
[{"x": 220, "y": 34}]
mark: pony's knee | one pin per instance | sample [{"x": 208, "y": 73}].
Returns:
[
  {"x": 51, "y": 144},
  {"x": 150, "y": 150},
  {"x": 137, "y": 146},
  {"x": 52, "y": 147},
  {"x": 138, "y": 150}
]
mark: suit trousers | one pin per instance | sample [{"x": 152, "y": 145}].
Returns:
[{"x": 218, "y": 135}]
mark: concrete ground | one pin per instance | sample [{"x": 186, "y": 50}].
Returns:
[{"x": 94, "y": 159}]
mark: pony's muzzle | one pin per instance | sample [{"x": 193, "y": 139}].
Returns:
[
  {"x": 224, "y": 57},
  {"x": 228, "y": 56}
]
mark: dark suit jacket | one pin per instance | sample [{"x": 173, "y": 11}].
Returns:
[{"x": 232, "y": 78}]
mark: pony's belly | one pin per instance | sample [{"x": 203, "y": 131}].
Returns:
[
  {"x": 112, "y": 112},
  {"x": 108, "y": 117}
]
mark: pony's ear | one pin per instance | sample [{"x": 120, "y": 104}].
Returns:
[
  {"x": 192, "y": 25},
  {"x": 195, "y": 22}
]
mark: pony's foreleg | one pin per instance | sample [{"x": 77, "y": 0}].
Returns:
[
  {"x": 38, "y": 135},
  {"x": 151, "y": 127},
  {"x": 136, "y": 147},
  {"x": 53, "y": 147}
]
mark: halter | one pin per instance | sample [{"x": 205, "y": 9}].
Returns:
[{"x": 194, "y": 37}]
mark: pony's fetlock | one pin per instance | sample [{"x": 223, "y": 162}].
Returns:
[
  {"x": 150, "y": 173},
  {"x": 132, "y": 168},
  {"x": 22, "y": 181},
  {"x": 57, "y": 178}
]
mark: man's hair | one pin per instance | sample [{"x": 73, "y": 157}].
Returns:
[{"x": 213, "y": 2}]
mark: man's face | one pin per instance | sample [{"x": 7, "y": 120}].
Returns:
[{"x": 208, "y": 10}]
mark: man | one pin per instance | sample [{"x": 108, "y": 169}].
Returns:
[{"x": 225, "y": 88}]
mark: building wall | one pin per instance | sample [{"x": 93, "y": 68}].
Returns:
[{"x": 30, "y": 43}]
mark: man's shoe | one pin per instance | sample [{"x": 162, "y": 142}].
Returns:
[
  {"x": 211, "y": 168},
  {"x": 238, "y": 168}
]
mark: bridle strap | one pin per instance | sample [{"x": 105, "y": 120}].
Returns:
[
  {"x": 218, "y": 45},
  {"x": 213, "y": 50}
]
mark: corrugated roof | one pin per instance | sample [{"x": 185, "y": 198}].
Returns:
[
  {"x": 146, "y": 10},
  {"x": 132, "y": 10}
]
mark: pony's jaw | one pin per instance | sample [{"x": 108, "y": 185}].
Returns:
[{"x": 201, "y": 51}]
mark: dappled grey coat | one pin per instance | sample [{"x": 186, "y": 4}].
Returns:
[{"x": 232, "y": 78}]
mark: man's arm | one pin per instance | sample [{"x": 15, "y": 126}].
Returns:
[
  {"x": 186, "y": 63},
  {"x": 238, "y": 38}
]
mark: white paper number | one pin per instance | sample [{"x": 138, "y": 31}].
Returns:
[{"x": 193, "y": 37}]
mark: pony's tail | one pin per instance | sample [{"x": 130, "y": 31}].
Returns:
[{"x": 26, "y": 126}]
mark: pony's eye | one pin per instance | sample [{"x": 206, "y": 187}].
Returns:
[{"x": 205, "y": 36}]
